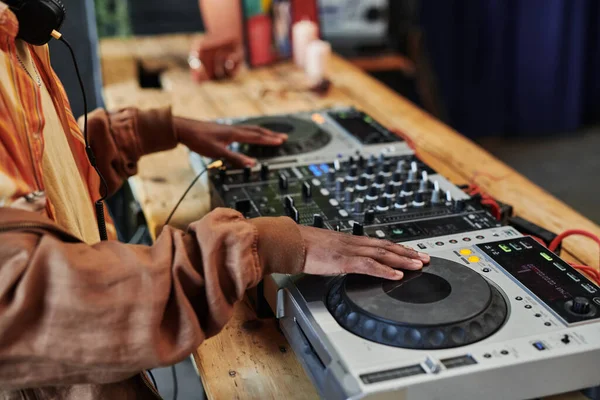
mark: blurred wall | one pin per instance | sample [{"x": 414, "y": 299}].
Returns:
[{"x": 149, "y": 17}]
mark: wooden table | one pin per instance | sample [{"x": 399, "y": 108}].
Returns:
[{"x": 250, "y": 358}]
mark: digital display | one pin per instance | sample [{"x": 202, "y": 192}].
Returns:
[
  {"x": 363, "y": 127},
  {"x": 548, "y": 277}
]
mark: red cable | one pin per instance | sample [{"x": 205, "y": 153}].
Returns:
[
  {"x": 558, "y": 240},
  {"x": 538, "y": 239}
]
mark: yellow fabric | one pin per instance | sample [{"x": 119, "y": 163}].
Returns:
[{"x": 63, "y": 184}]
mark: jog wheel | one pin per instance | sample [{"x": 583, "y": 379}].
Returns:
[
  {"x": 304, "y": 136},
  {"x": 444, "y": 305}
]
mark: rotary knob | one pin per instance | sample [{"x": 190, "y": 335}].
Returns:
[
  {"x": 353, "y": 173},
  {"x": 459, "y": 205},
  {"x": 340, "y": 184},
  {"x": 581, "y": 305},
  {"x": 386, "y": 168},
  {"x": 359, "y": 206},
  {"x": 401, "y": 203},
  {"x": 418, "y": 201},
  {"x": 401, "y": 166},
  {"x": 370, "y": 170},
  {"x": 350, "y": 160},
  {"x": 362, "y": 183},
  {"x": 331, "y": 176},
  {"x": 397, "y": 177},
  {"x": 361, "y": 161},
  {"x": 382, "y": 204},
  {"x": 380, "y": 180},
  {"x": 389, "y": 190},
  {"x": 373, "y": 193},
  {"x": 406, "y": 189},
  {"x": 436, "y": 195},
  {"x": 349, "y": 195}
]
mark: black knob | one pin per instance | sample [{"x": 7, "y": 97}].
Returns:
[
  {"x": 387, "y": 167},
  {"x": 306, "y": 190},
  {"x": 373, "y": 192},
  {"x": 370, "y": 170},
  {"x": 295, "y": 214},
  {"x": 380, "y": 179},
  {"x": 459, "y": 205},
  {"x": 397, "y": 177},
  {"x": 362, "y": 181},
  {"x": 349, "y": 195},
  {"x": 247, "y": 173},
  {"x": 283, "y": 181},
  {"x": 243, "y": 206},
  {"x": 353, "y": 173},
  {"x": 288, "y": 201},
  {"x": 390, "y": 189},
  {"x": 358, "y": 229},
  {"x": 361, "y": 161},
  {"x": 318, "y": 221},
  {"x": 418, "y": 201},
  {"x": 350, "y": 160},
  {"x": 369, "y": 216},
  {"x": 359, "y": 206},
  {"x": 401, "y": 202},
  {"x": 407, "y": 188},
  {"x": 264, "y": 171},
  {"x": 581, "y": 305},
  {"x": 383, "y": 203}
]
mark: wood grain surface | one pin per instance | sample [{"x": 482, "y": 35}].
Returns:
[{"x": 250, "y": 358}]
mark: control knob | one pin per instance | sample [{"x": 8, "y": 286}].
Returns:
[
  {"x": 389, "y": 190},
  {"x": 397, "y": 177},
  {"x": 382, "y": 205},
  {"x": 386, "y": 169},
  {"x": 331, "y": 176},
  {"x": 459, "y": 205},
  {"x": 380, "y": 180},
  {"x": 318, "y": 221},
  {"x": 243, "y": 206},
  {"x": 370, "y": 171},
  {"x": 418, "y": 201},
  {"x": 350, "y": 160},
  {"x": 401, "y": 165},
  {"x": 373, "y": 193},
  {"x": 283, "y": 181},
  {"x": 369, "y": 216},
  {"x": 359, "y": 206},
  {"x": 288, "y": 202},
  {"x": 353, "y": 173},
  {"x": 401, "y": 203},
  {"x": 436, "y": 195},
  {"x": 581, "y": 305},
  {"x": 349, "y": 195},
  {"x": 362, "y": 183},
  {"x": 448, "y": 197},
  {"x": 306, "y": 190},
  {"x": 264, "y": 172},
  {"x": 406, "y": 189},
  {"x": 358, "y": 229},
  {"x": 247, "y": 172},
  {"x": 361, "y": 161},
  {"x": 340, "y": 184}
]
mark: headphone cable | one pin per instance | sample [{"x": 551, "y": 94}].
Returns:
[{"x": 99, "y": 204}]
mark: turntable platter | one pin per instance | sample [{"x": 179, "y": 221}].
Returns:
[
  {"x": 444, "y": 305},
  {"x": 304, "y": 136}
]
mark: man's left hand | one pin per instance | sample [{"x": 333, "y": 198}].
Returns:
[{"x": 212, "y": 140}]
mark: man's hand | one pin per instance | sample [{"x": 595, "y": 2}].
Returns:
[
  {"x": 334, "y": 253},
  {"x": 211, "y": 140}
]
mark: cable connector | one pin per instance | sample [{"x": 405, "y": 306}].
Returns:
[{"x": 56, "y": 34}]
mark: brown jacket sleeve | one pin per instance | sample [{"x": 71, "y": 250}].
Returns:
[
  {"x": 74, "y": 313},
  {"x": 119, "y": 139}
]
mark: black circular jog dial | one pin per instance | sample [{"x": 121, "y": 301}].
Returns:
[
  {"x": 445, "y": 305},
  {"x": 303, "y": 136}
]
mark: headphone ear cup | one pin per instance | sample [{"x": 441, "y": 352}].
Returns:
[{"x": 38, "y": 18}]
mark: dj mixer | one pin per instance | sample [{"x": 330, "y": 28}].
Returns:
[{"x": 494, "y": 315}]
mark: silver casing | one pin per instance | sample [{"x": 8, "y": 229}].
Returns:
[{"x": 335, "y": 358}]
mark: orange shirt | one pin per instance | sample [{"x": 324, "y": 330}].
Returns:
[{"x": 41, "y": 145}]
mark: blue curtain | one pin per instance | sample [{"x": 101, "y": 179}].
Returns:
[{"x": 515, "y": 67}]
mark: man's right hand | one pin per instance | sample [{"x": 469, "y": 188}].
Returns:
[{"x": 334, "y": 253}]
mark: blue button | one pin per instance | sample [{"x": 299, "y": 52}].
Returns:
[
  {"x": 316, "y": 171},
  {"x": 324, "y": 167}
]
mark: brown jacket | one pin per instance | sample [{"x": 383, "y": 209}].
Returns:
[{"x": 81, "y": 322}]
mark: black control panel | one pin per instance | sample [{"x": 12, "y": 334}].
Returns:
[
  {"x": 388, "y": 197},
  {"x": 566, "y": 291}
]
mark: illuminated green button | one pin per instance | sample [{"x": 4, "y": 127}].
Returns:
[
  {"x": 546, "y": 256},
  {"x": 397, "y": 231},
  {"x": 505, "y": 248}
]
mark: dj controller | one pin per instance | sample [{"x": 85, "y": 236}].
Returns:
[{"x": 495, "y": 315}]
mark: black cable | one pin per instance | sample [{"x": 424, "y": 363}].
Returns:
[
  {"x": 185, "y": 194},
  {"x": 88, "y": 149},
  {"x": 152, "y": 377},
  {"x": 175, "y": 384}
]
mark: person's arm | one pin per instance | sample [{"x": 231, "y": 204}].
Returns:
[{"x": 73, "y": 313}]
